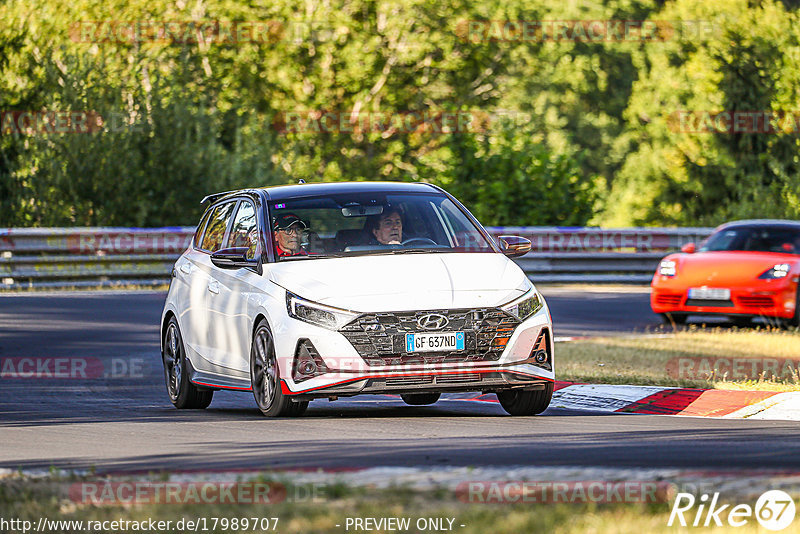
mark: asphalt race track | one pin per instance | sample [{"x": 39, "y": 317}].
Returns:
[{"x": 124, "y": 422}]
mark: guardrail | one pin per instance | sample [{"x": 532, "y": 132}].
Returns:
[{"x": 98, "y": 257}]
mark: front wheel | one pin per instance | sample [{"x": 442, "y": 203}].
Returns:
[
  {"x": 673, "y": 318},
  {"x": 420, "y": 399},
  {"x": 182, "y": 393},
  {"x": 795, "y": 321},
  {"x": 521, "y": 402},
  {"x": 265, "y": 377}
]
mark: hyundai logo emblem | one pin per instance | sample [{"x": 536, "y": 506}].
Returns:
[{"x": 432, "y": 321}]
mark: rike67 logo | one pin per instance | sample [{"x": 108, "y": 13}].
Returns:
[{"x": 774, "y": 510}]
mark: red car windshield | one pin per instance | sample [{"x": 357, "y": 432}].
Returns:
[{"x": 761, "y": 238}]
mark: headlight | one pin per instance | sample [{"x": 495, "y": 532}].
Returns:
[
  {"x": 780, "y": 270},
  {"x": 523, "y": 308},
  {"x": 318, "y": 314},
  {"x": 668, "y": 268}
]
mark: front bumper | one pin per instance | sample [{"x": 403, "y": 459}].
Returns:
[
  {"x": 352, "y": 371},
  {"x": 770, "y": 298}
]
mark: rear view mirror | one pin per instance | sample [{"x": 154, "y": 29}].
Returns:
[
  {"x": 233, "y": 258},
  {"x": 514, "y": 246},
  {"x": 688, "y": 248},
  {"x": 358, "y": 210}
]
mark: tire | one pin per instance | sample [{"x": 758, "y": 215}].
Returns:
[
  {"x": 673, "y": 318},
  {"x": 183, "y": 394},
  {"x": 741, "y": 321},
  {"x": 265, "y": 377},
  {"x": 420, "y": 399},
  {"x": 794, "y": 322},
  {"x": 520, "y": 402},
  {"x": 296, "y": 409}
]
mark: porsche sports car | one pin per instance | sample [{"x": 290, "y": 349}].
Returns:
[
  {"x": 332, "y": 290},
  {"x": 745, "y": 269}
]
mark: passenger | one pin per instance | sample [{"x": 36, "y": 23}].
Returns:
[
  {"x": 286, "y": 229},
  {"x": 387, "y": 228}
]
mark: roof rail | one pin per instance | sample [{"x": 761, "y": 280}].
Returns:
[{"x": 214, "y": 196}]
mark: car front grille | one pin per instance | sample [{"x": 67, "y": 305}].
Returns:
[
  {"x": 379, "y": 338},
  {"x": 708, "y": 303}
]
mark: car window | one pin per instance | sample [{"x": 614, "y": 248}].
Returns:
[
  {"x": 244, "y": 232},
  {"x": 760, "y": 238},
  {"x": 217, "y": 224},
  {"x": 198, "y": 233},
  {"x": 375, "y": 223}
]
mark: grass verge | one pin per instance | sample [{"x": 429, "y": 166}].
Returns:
[
  {"x": 710, "y": 359},
  {"x": 30, "y": 500}
]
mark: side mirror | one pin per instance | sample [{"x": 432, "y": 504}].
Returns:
[
  {"x": 514, "y": 246},
  {"x": 233, "y": 258},
  {"x": 689, "y": 248}
]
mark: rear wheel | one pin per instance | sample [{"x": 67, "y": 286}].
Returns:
[
  {"x": 420, "y": 399},
  {"x": 265, "y": 377},
  {"x": 182, "y": 393},
  {"x": 673, "y": 318},
  {"x": 520, "y": 402}
]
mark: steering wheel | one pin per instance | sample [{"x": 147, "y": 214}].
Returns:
[{"x": 422, "y": 240}]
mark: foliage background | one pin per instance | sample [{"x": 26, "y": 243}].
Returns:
[{"x": 588, "y": 140}]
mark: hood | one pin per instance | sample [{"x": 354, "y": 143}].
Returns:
[
  {"x": 404, "y": 281},
  {"x": 727, "y": 267}
]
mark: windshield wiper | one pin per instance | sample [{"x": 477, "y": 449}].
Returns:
[{"x": 416, "y": 250}]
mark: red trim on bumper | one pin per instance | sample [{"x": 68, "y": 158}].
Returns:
[
  {"x": 220, "y": 387},
  {"x": 285, "y": 389}
]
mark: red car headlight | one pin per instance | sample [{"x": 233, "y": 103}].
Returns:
[
  {"x": 780, "y": 270},
  {"x": 668, "y": 268}
]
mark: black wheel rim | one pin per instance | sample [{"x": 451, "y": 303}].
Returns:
[
  {"x": 265, "y": 369},
  {"x": 173, "y": 368}
]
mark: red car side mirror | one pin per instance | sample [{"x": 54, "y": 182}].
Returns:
[{"x": 688, "y": 248}]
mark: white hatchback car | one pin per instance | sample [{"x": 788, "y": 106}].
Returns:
[{"x": 332, "y": 290}]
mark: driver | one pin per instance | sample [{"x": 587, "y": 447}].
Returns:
[
  {"x": 286, "y": 230},
  {"x": 388, "y": 229}
]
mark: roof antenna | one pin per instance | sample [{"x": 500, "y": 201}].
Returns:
[{"x": 301, "y": 181}]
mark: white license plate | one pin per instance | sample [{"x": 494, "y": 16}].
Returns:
[
  {"x": 709, "y": 293},
  {"x": 434, "y": 342}
]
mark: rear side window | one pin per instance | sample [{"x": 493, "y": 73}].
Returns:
[
  {"x": 198, "y": 233},
  {"x": 217, "y": 225},
  {"x": 244, "y": 232}
]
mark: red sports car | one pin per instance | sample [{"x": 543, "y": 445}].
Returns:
[{"x": 745, "y": 269}]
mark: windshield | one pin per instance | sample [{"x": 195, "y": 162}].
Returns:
[
  {"x": 371, "y": 223},
  {"x": 785, "y": 239}
]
